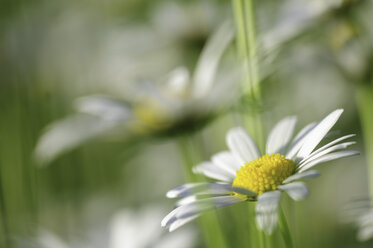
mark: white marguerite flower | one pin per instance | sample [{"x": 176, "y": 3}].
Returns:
[
  {"x": 141, "y": 230},
  {"x": 244, "y": 174},
  {"x": 182, "y": 102},
  {"x": 126, "y": 229},
  {"x": 360, "y": 213},
  {"x": 364, "y": 223},
  {"x": 294, "y": 18}
]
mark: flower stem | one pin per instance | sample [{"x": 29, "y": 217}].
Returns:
[
  {"x": 365, "y": 103},
  {"x": 4, "y": 221},
  {"x": 285, "y": 231},
  {"x": 244, "y": 12},
  {"x": 209, "y": 223},
  {"x": 261, "y": 239}
]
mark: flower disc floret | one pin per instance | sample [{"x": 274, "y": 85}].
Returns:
[{"x": 264, "y": 174}]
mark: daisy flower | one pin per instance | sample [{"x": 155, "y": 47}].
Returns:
[
  {"x": 244, "y": 174},
  {"x": 122, "y": 230},
  {"x": 294, "y": 19},
  {"x": 177, "y": 103},
  {"x": 360, "y": 214}
]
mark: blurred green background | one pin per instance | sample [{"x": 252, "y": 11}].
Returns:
[{"x": 52, "y": 52}]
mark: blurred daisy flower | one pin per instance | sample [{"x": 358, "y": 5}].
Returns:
[
  {"x": 179, "y": 104},
  {"x": 360, "y": 213},
  {"x": 121, "y": 231},
  {"x": 296, "y": 18},
  {"x": 244, "y": 174}
]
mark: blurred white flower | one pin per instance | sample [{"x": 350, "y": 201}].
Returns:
[
  {"x": 244, "y": 174},
  {"x": 360, "y": 213},
  {"x": 127, "y": 228},
  {"x": 182, "y": 103},
  {"x": 294, "y": 18},
  {"x": 141, "y": 230}
]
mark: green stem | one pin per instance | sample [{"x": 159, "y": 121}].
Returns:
[
  {"x": 365, "y": 103},
  {"x": 209, "y": 222},
  {"x": 254, "y": 240},
  {"x": 4, "y": 217},
  {"x": 244, "y": 12},
  {"x": 285, "y": 231},
  {"x": 242, "y": 43},
  {"x": 252, "y": 47},
  {"x": 262, "y": 237}
]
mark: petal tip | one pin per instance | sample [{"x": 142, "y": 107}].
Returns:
[{"x": 170, "y": 194}]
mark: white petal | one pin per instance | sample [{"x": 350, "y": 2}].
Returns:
[
  {"x": 180, "y": 190},
  {"x": 364, "y": 223},
  {"x": 186, "y": 200},
  {"x": 365, "y": 219},
  {"x": 280, "y": 135},
  {"x": 267, "y": 210},
  {"x": 328, "y": 145},
  {"x": 296, "y": 190},
  {"x": 191, "y": 190},
  {"x": 48, "y": 239},
  {"x": 66, "y": 134},
  {"x": 334, "y": 142},
  {"x": 328, "y": 157},
  {"x": 200, "y": 189},
  {"x": 243, "y": 191},
  {"x": 357, "y": 207},
  {"x": 299, "y": 140},
  {"x": 226, "y": 161},
  {"x": 186, "y": 213},
  {"x": 203, "y": 205},
  {"x": 316, "y": 155},
  {"x": 104, "y": 107},
  {"x": 169, "y": 218},
  {"x": 124, "y": 225},
  {"x": 178, "y": 81},
  {"x": 365, "y": 233},
  {"x": 180, "y": 222},
  {"x": 318, "y": 133},
  {"x": 212, "y": 171},
  {"x": 294, "y": 18},
  {"x": 304, "y": 131},
  {"x": 241, "y": 145},
  {"x": 209, "y": 59},
  {"x": 185, "y": 238},
  {"x": 303, "y": 175}
]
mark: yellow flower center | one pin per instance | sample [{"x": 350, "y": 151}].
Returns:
[
  {"x": 152, "y": 116},
  {"x": 264, "y": 173}
]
